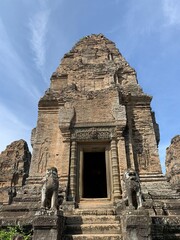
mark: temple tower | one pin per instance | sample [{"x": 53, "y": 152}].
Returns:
[{"x": 94, "y": 122}]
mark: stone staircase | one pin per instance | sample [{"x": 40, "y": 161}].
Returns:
[
  {"x": 163, "y": 204},
  {"x": 92, "y": 224},
  {"x": 162, "y": 194},
  {"x": 165, "y": 227},
  {"x": 21, "y": 211},
  {"x": 98, "y": 219}
]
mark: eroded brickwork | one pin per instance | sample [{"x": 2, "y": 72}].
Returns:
[
  {"x": 173, "y": 162},
  {"x": 14, "y": 168}
]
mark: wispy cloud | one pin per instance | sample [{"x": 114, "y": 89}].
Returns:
[
  {"x": 10, "y": 118},
  {"x": 171, "y": 10},
  {"x": 38, "y": 27},
  {"x": 11, "y": 127},
  {"x": 19, "y": 73}
]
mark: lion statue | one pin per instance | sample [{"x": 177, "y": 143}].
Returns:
[
  {"x": 49, "y": 193},
  {"x": 133, "y": 189}
]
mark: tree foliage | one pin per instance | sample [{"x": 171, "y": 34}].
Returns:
[{"x": 11, "y": 233}]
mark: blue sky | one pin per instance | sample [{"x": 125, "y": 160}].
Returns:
[{"x": 35, "y": 34}]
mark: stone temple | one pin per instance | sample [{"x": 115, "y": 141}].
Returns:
[{"x": 97, "y": 131}]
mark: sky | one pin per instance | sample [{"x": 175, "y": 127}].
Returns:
[{"x": 35, "y": 34}]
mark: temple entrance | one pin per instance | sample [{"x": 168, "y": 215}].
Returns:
[{"x": 94, "y": 175}]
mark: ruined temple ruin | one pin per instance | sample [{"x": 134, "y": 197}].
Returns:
[
  {"x": 97, "y": 134},
  {"x": 14, "y": 169}
]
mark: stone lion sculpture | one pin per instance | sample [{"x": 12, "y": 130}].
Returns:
[
  {"x": 49, "y": 193},
  {"x": 133, "y": 189}
]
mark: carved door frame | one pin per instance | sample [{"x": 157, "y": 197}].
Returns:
[
  {"x": 93, "y": 147},
  {"x": 106, "y": 137}
]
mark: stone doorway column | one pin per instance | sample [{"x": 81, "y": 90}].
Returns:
[
  {"x": 73, "y": 166},
  {"x": 115, "y": 170}
]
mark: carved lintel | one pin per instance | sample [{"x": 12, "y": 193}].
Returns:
[{"x": 93, "y": 134}]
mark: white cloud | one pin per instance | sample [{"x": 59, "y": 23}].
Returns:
[
  {"x": 38, "y": 27},
  {"x": 171, "y": 10}
]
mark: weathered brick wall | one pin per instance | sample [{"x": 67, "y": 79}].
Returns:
[
  {"x": 97, "y": 108},
  {"x": 44, "y": 146},
  {"x": 48, "y": 148},
  {"x": 142, "y": 137}
]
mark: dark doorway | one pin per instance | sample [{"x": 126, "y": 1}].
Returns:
[{"x": 94, "y": 175}]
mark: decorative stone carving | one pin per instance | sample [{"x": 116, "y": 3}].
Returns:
[
  {"x": 133, "y": 189},
  {"x": 93, "y": 134},
  {"x": 49, "y": 194},
  {"x": 44, "y": 155},
  {"x": 144, "y": 156}
]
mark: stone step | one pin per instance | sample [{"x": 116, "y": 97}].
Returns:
[
  {"x": 174, "y": 236},
  {"x": 159, "y": 185},
  {"x": 97, "y": 212},
  {"x": 95, "y": 204},
  {"x": 93, "y": 237},
  {"x": 161, "y": 189},
  {"x": 93, "y": 228},
  {"x": 153, "y": 179},
  {"x": 172, "y": 204},
  {"x": 23, "y": 207},
  {"x": 27, "y": 199},
  {"x": 163, "y": 196},
  {"x": 170, "y": 223},
  {"x": 165, "y": 185},
  {"x": 167, "y": 237},
  {"x": 71, "y": 220}
]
